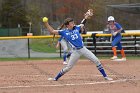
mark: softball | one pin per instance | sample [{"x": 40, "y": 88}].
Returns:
[{"x": 45, "y": 19}]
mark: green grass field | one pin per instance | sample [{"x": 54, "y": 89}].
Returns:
[
  {"x": 43, "y": 45},
  {"x": 58, "y": 58}
]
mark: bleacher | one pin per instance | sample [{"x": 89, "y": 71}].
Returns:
[{"x": 131, "y": 44}]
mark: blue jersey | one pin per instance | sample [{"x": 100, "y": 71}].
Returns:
[
  {"x": 115, "y": 27},
  {"x": 72, "y": 36}
]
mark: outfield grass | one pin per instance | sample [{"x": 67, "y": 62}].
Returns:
[
  {"x": 43, "y": 45},
  {"x": 24, "y": 59},
  {"x": 58, "y": 58}
]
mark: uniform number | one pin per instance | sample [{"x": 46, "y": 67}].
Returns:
[{"x": 74, "y": 36}]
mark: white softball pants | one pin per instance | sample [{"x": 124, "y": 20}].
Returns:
[{"x": 76, "y": 55}]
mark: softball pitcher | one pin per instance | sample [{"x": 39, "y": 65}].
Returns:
[
  {"x": 116, "y": 29},
  {"x": 72, "y": 35}
]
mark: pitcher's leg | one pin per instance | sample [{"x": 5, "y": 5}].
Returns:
[
  {"x": 87, "y": 53},
  {"x": 73, "y": 59}
]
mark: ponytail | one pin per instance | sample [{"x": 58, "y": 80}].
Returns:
[{"x": 62, "y": 26}]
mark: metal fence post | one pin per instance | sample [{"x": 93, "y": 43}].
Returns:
[
  {"x": 94, "y": 41},
  {"x": 60, "y": 51},
  {"x": 135, "y": 45},
  {"x": 28, "y": 48}
]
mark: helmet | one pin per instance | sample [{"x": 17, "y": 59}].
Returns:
[{"x": 111, "y": 18}]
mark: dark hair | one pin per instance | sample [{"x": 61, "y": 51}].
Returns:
[
  {"x": 62, "y": 26},
  {"x": 67, "y": 20}
]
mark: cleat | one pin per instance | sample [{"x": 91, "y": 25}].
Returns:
[
  {"x": 123, "y": 59},
  {"x": 120, "y": 60},
  {"x": 114, "y": 57},
  {"x": 108, "y": 78},
  {"x": 65, "y": 63},
  {"x": 51, "y": 79}
]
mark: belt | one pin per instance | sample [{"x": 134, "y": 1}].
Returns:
[{"x": 77, "y": 48}]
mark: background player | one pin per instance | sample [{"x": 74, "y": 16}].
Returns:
[
  {"x": 116, "y": 29},
  {"x": 66, "y": 49},
  {"x": 72, "y": 35}
]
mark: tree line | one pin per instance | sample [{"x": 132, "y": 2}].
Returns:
[{"x": 23, "y": 12}]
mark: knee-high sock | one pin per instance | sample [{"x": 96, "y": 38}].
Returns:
[
  {"x": 68, "y": 55},
  {"x": 114, "y": 51},
  {"x": 101, "y": 69},
  {"x": 65, "y": 56},
  {"x": 122, "y": 53},
  {"x": 61, "y": 73}
]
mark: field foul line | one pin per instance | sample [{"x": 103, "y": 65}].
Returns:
[
  {"x": 72, "y": 84},
  {"x": 38, "y": 75},
  {"x": 89, "y": 75}
]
